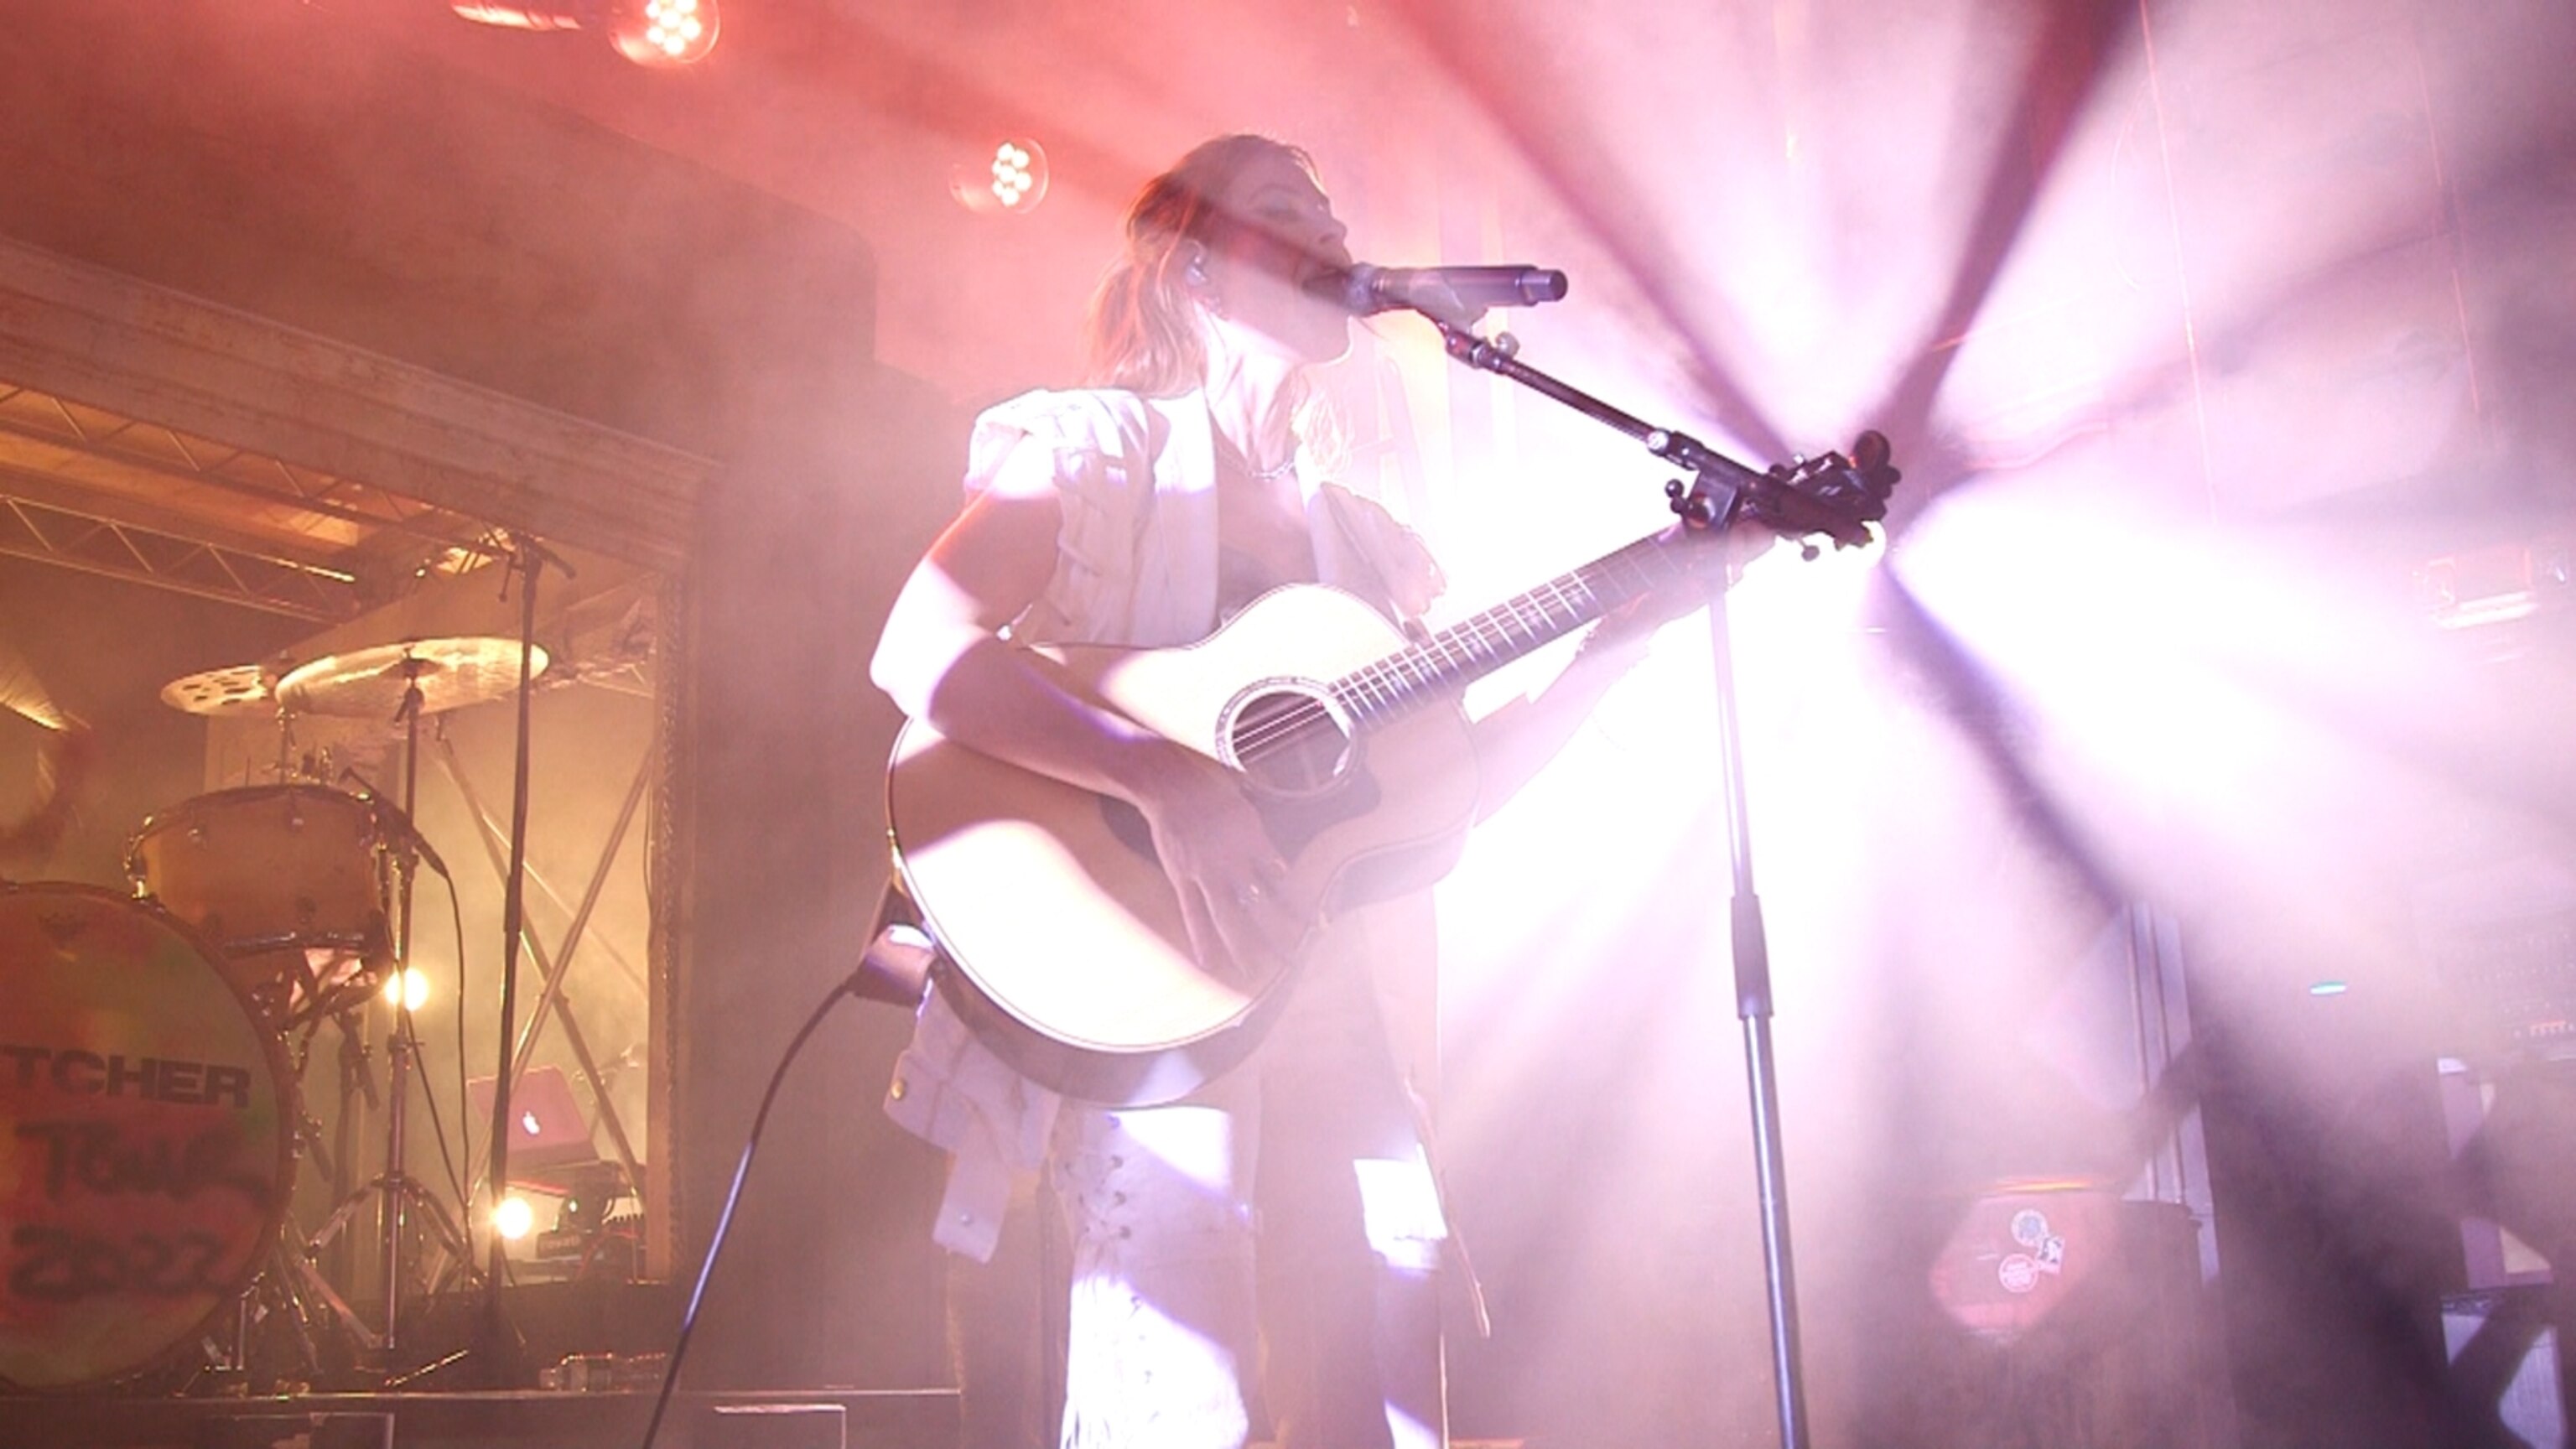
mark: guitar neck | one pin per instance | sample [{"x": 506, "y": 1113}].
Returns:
[{"x": 1464, "y": 652}]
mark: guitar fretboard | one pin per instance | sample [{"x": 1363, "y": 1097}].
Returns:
[{"x": 1476, "y": 646}]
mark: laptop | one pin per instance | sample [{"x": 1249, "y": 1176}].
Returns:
[{"x": 549, "y": 1135}]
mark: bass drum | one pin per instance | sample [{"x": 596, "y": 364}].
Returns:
[{"x": 147, "y": 1130}]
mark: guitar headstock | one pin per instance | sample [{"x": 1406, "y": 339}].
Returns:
[{"x": 1832, "y": 496}]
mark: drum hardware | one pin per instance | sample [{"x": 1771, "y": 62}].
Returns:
[
  {"x": 344, "y": 682},
  {"x": 291, "y": 1297},
  {"x": 403, "y": 1205},
  {"x": 237, "y": 690},
  {"x": 308, "y": 892},
  {"x": 298, "y": 1285}
]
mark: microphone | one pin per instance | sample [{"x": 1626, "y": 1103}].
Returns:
[{"x": 1457, "y": 295}]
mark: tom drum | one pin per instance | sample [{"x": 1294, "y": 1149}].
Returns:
[{"x": 277, "y": 876}]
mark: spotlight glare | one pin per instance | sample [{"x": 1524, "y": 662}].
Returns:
[
  {"x": 1012, "y": 178},
  {"x": 513, "y": 1218},
  {"x": 407, "y": 988},
  {"x": 671, "y": 32}
]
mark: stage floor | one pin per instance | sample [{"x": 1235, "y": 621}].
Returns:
[{"x": 822, "y": 1419}]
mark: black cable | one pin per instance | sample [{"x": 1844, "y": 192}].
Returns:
[
  {"x": 464, "y": 1090},
  {"x": 464, "y": 1093},
  {"x": 733, "y": 1195},
  {"x": 403, "y": 1023}
]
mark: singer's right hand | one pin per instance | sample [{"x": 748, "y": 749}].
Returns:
[{"x": 1230, "y": 880}]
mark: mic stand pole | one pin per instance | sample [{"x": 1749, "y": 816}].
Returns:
[
  {"x": 1752, "y": 955},
  {"x": 502, "y": 1353},
  {"x": 1721, "y": 491},
  {"x": 399, "y": 1045}
]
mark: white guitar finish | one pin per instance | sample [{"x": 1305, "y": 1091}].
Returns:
[{"x": 1061, "y": 939}]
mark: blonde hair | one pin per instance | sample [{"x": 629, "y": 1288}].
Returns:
[{"x": 1143, "y": 329}]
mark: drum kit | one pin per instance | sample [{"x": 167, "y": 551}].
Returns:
[{"x": 151, "y": 1114}]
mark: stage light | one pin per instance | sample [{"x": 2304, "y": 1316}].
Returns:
[
  {"x": 658, "y": 33},
  {"x": 670, "y": 32},
  {"x": 407, "y": 988},
  {"x": 1010, "y": 181},
  {"x": 513, "y": 1218}
]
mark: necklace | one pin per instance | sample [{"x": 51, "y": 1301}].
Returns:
[{"x": 1228, "y": 452}]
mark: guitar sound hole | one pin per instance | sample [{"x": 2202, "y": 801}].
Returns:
[{"x": 1289, "y": 741}]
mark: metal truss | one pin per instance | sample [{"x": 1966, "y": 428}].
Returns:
[
  {"x": 51, "y": 533},
  {"x": 177, "y": 457}
]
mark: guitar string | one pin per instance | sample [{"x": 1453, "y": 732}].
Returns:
[
  {"x": 1393, "y": 680},
  {"x": 1390, "y": 681},
  {"x": 1367, "y": 691}
]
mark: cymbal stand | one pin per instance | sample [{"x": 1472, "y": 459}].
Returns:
[
  {"x": 401, "y": 1193},
  {"x": 402, "y": 1044}
]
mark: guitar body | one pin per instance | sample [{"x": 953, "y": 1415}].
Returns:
[{"x": 1061, "y": 939}]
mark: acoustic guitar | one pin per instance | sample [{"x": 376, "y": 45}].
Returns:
[{"x": 1060, "y": 939}]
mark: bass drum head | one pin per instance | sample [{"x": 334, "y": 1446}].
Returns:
[{"x": 146, "y": 1137}]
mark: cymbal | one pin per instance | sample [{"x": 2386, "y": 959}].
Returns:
[
  {"x": 234, "y": 689},
  {"x": 369, "y": 683}
]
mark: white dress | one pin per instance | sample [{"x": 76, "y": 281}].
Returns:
[{"x": 1162, "y": 1203}]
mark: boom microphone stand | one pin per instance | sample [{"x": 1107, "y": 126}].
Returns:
[
  {"x": 529, "y": 558},
  {"x": 1722, "y": 491}
]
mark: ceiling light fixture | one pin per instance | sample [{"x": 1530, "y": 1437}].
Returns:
[
  {"x": 1010, "y": 180},
  {"x": 656, "y": 33}
]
